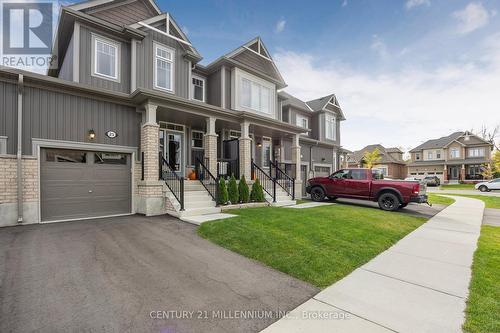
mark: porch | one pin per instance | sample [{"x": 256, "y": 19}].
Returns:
[{"x": 467, "y": 173}]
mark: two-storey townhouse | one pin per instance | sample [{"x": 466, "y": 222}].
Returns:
[
  {"x": 458, "y": 157},
  {"x": 129, "y": 112},
  {"x": 391, "y": 161}
]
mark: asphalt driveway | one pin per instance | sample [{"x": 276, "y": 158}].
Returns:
[{"x": 114, "y": 275}]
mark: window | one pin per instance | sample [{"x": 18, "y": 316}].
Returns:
[
  {"x": 417, "y": 156},
  {"x": 358, "y": 174},
  {"x": 377, "y": 174},
  {"x": 266, "y": 152},
  {"x": 330, "y": 127},
  {"x": 255, "y": 96},
  {"x": 438, "y": 154},
  {"x": 163, "y": 74},
  {"x": 476, "y": 152},
  {"x": 198, "y": 88},
  {"x": 383, "y": 170},
  {"x": 302, "y": 121},
  {"x": 65, "y": 156},
  {"x": 197, "y": 139},
  {"x": 430, "y": 156},
  {"x": 106, "y": 58},
  {"x": 110, "y": 158},
  {"x": 3, "y": 145},
  {"x": 454, "y": 153}
]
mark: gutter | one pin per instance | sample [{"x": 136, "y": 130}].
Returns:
[{"x": 20, "y": 87}]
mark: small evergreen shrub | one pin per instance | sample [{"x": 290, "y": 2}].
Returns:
[
  {"x": 243, "y": 190},
  {"x": 232, "y": 191},
  {"x": 222, "y": 195},
  {"x": 257, "y": 194}
]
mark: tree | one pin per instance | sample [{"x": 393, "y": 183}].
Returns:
[
  {"x": 370, "y": 159},
  {"x": 257, "y": 194},
  {"x": 243, "y": 190},
  {"x": 487, "y": 171},
  {"x": 222, "y": 192},
  {"x": 489, "y": 134},
  {"x": 495, "y": 163},
  {"x": 233, "y": 190}
]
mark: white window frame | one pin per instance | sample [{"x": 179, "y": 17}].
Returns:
[
  {"x": 430, "y": 155},
  {"x": 266, "y": 141},
  {"x": 201, "y": 78},
  {"x": 417, "y": 157},
  {"x": 475, "y": 152},
  {"x": 171, "y": 61},
  {"x": 202, "y": 139},
  {"x": 330, "y": 136},
  {"x": 452, "y": 150},
  {"x": 237, "y": 77},
  {"x": 438, "y": 152},
  {"x": 96, "y": 38},
  {"x": 299, "y": 121}
]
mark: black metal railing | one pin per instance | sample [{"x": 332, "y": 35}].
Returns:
[
  {"x": 174, "y": 182},
  {"x": 206, "y": 178},
  {"x": 228, "y": 167},
  {"x": 288, "y": 168},
  {"x": 281, "y": 178},
  {"x": 268, "y": 183}
]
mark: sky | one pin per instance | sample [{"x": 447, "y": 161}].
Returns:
[{"x": 403, "y": 71}]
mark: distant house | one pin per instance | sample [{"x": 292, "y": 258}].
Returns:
[
  {"x": 391, "y": 161},
  {"x": 460, "y": 156}
]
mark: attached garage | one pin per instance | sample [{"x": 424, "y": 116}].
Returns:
[
  {"x": 322, "y": 171},
  {"x": 77, "y": 184}
]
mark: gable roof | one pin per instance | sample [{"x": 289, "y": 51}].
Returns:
[
  {"x": 102, "y": 4},
  {"x": 294, "y": 101},
  {"x": 321, "y": 103},
  {"x": 357, "y": 156},
  {"x": 253, "y": 54},
  {"x": 438, "y": 143}
]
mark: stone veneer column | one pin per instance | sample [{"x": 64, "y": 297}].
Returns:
[
  {"x": 245, "y": 151},
  {"x": 210, "y": 145},
  {"x": 296, "y": 159},
  {"x": 445, "y": 174},
  {"x": 462, "y": 172},
  {"x": 150, "y": 190}
]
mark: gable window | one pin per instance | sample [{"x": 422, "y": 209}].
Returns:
[
  {"x": 330, "y": 127},
  {"x": 106, "y": 58},
  {"x": 252, "y": 93},
  {"x": 302, "y": 121},
  {"x": 198, "y": 84},
  {"x": 255, "y": 96},
  {"x": 164, "y": 67},
  {"x": 454, "y": 153},
  {"x": 476, "y": 152}
]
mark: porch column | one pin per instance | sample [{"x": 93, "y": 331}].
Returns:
[
  {"x": 296, "y": 161},
  {"x": 445, "y": 174},
  {"x": 150, "y": 200},
  {"x": 210, "y": 143},
  {"x": 245, "y": 151},
  {"x": 462, "y": 172}
]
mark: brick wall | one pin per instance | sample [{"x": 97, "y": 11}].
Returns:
[
  {"x": 149, "y": 146},
  {"x": 8, "y": 179}
]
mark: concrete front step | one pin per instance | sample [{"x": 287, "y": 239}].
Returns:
[
  {"x": 195, "y": 211},
  {"x": 199, "y": 204}
]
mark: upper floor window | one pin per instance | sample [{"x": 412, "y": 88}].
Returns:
[
  {"x": 255, "y": 96},
  {"x": 164, "y": 68},
  {"x": 417, "y": 156},
  {"x": 302, "y": 121},
  {"x": 476, "y": 152},
  {"x": 438, "y": 154},
  {"x": 430, "y": 156},
  {"x": 454, "y": 153},
  {"x": 330, "y": 127},
  {"x": 198, "y": 84},
  {"x": 106, "y": 58}
]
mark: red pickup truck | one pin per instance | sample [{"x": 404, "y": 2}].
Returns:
[{"x": 367, "y": 184}]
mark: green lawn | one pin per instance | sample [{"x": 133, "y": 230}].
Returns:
[
  {"x": 483, "y": 304},
  {"x": 489, "y": 201},
  {"x": 319, "y": 245},
  {"x": 457, "y": 186},
  {"x": 439, "y": 200}
]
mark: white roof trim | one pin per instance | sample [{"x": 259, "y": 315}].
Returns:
[
  {"x": 94, "y": 3},
  {"x": 164, "y": 33},
  {"x": 150, "y": 20},
  {"x": 257, "y": 53}
]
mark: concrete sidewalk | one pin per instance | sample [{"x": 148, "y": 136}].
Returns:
[
  {"x": 495, "y": 193},
  {"x": 419, "y": 285}
]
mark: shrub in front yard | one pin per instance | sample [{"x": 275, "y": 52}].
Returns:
[
  {"x": 243, "y": 190},
  {"x": 257, "y": 194},
  {"x": 222, "y": 192},
  {"x": 233, "y": 190}
]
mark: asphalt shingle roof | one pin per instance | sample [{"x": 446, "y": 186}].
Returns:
[
  {"x": 357, "y": 156},
  {"x": 438, "y": 143}
]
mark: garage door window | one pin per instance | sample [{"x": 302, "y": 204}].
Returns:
[
  {"x": 66, "y": 156},
  {"x": 110, "y": 158}
]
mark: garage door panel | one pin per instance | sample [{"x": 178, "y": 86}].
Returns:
[{"x": 85, "y": 188}]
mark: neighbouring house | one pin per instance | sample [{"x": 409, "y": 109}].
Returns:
[
  {"x": 458, "y": 157},
  {"x": 129, "y": 113},
  {"x": 391, "y": 161}
]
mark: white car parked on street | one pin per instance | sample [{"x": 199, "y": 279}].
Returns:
[{"x": 493, "y": 184}]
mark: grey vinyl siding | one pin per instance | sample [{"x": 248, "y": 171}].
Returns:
[
  {"x": 227, "y": 88},
  {"x": 287, "y": 146},
  {"x": 214, "y": 88},
  {"x": 315, "y": 127},
  {"x": 145, "y": 64},
  {"x": 66, "y": 71},
  {"x": 293, "y": 116},
  {"x": 86, "y": 70},
  {"x": 322, "y": 155},
  {"x": 305, "y": 152},
  {"x": 126, "y": 14},
  {"x": 260, "y": 64},
  {"x": 8, "y": 114},
  {"x": 61, "y": 116}
]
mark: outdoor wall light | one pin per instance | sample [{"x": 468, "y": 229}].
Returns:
[
  {"x": 91, "y": 134},
  {"x": 259, "y": 144},
  {"x": 323, "y": 159}
]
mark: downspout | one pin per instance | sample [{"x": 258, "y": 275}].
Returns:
[{"x": 20, "y": 86}]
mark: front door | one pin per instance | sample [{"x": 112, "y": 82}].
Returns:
[
  {"x": 454, "y": 172},
  {"x": 171, "y": 145}
]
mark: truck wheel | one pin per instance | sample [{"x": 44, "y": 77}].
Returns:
[
  {"x": 317, "y": 194},
  {"x": 403, "y": 205},
  {"x": 483, "y": 188},
  {"x": 388, "y": 202}
]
